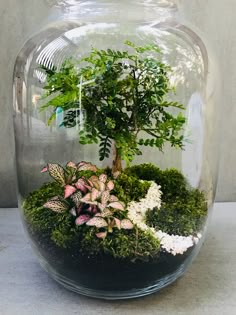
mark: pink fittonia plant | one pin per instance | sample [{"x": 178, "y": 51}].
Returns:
[{"x": 89, "y": 200}]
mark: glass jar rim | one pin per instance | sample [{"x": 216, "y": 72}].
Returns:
[
  {"x": 141, "y": 10},
  {"x": 75, "y": 3}
]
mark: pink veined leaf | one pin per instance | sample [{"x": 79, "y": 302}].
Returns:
[
  {"x": 101, "y": 206},
  {"x": 110, "y": 185},
  {"x": 81, "y": 185},
  {"x": 101, "y": 235},
  {"x": 44, "y": 170},
  {"x": 73, "y": 212},
  {"x": 76, "y": 198},
  {"x": 71, "y": 164},
  {"x": 105, "y": 197},
  {"x": 93, "y": 178},
  {"x": 97, "y": 222},
  {"x": 126, "y": 224},
  {"x": 81, "y": 163},
  {"x": 102, "y": 186},
  {"x": 94, "y": 194},
  {"x": 103, "y": 178},
  {"x": 90, "y": 184},
  {"x": 95, "y": 184},
  {"x": 90, "y": 209},
  {"x": 57, "y": 173},
  {"x": 56, "y": 205},
  {"x": 118, "y": 223},
  {"x": 82, "y": 219},
  {"x": 87, "y": 167},
  {"x": 91, "y": 167},
  {"x": 68, "y": 191},
  {"x": 94, "y": 209},
  {"x": 106, "y": 213},
  {"x": 82, "y": 180},
  {"x": 88, "y": 187},
  {"x": 116, "y": 205},
  {"x": 113, "y": 198},
  {"x": 98, "y": 215},
  {"x": 86, "y": 198}
]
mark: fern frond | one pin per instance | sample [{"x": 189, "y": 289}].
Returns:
[{"x": 105, "y": 148}]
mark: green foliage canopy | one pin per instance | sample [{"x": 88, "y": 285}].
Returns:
[{"x": 122, "y": 94}]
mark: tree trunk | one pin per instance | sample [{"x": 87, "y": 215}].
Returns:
[{"x": 116, "y": 165}]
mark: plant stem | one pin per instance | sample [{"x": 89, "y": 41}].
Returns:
[{"x": 116, "y": 164}]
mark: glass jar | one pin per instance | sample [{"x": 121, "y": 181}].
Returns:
[{"x": 116, "y": 135}]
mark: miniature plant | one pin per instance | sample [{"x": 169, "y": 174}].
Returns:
[
  {"x": 88, "y": 199},
  {"x": 119, "y": 100},
  {"x": 60, "y": 229},
  {"x": 183, "y": 212},
  {"x": 122, "y": 94}
]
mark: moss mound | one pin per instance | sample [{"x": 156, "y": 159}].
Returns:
[
  {"x": 183, "y": 209},
  {"x": 130, "y": 188},
  {"x": 133, "y": 244},
  {"x": 183, "y": 212},
  {"x": 173, "y": 183},
  {"x": 58, "y": 227},
  {"x": 61, "y": 229}
]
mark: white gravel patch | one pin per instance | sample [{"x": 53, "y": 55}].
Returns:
[
  {"x": 137, "y": 210},
  {"x": 176, "y": 244},
  {"x": 173, "y": 244}
]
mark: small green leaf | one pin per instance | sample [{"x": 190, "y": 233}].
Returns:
[{"x": 52, "y": 117}]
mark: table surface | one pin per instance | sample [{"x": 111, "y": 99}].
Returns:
[{"x": 209, "y": 286}]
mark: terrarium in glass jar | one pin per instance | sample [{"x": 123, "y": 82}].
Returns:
[{"x": 115, "y": 128}]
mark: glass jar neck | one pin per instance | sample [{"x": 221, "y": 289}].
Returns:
[{"x": 113, "y": 10}]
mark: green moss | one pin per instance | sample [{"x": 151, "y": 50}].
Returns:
[
  {"x": 61, "y": 229},
  {"x": 183, "y": 209},
  {"x": 42, "y": 219},
  {"x": 133, "y": 244},
  {"x": 181, "y": 216},
  {"x": 128, "y": 188},
  {"x": 173, "y": 183},
  {"x": 63, "y": 237},
  {"x": 183, "y": 212},
  {"x": 88, "y": 174}
]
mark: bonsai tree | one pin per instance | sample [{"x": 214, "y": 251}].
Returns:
[{"x": 124, "y": 95}]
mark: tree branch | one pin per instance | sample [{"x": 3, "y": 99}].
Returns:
[{"x": 152, "y": 134}]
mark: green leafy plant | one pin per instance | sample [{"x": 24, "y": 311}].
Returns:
[
  {"x": 61, "y": 230},
  {"x": 121, "y": 94},
  {"x": 88, "y": 199}
]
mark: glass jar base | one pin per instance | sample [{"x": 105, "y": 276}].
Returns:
[{"x": 115, "y": 295}]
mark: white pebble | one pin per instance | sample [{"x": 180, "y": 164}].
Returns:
[{"x": 173, "y": 244}]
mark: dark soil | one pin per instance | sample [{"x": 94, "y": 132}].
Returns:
[{"x": 105, "y": 272}]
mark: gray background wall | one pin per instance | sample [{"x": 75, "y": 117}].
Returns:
[{"x": 214, "y": 18}]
